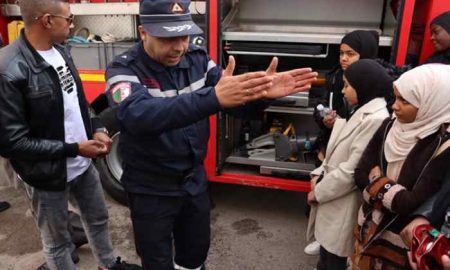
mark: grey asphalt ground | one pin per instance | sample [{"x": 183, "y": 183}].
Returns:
[{"x": 252, "y": 228}]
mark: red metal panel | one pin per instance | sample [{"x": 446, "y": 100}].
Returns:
[
  {"x": 213, "y": 23},
  {"x": 213, "y": 32},
  {"x": 436, "y": 7},
  {"x": 262, "y": 181},
  {"x": 91, "y": 71},
  {"x": 4, "y": 29},
  {"x": 92, "y": 90},
  {"x": 210, "y": 160},
  {"x": 93, "y": 83},
  {"x": 405, "y": 30}
]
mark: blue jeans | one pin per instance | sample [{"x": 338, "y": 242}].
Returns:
[{"x": 50, "y": 210}]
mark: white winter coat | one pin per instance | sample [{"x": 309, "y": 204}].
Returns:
[{"x": 337, "y": 195}]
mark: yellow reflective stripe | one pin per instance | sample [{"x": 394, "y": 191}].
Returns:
[{"x": 92, "y": 77}]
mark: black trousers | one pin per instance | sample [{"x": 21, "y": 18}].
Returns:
[
  {"x": 329, "y": 261},
  {"x": 159, "y": 222}
]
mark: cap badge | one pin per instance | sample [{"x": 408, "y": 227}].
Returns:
[{"x": 177, "y": 8}]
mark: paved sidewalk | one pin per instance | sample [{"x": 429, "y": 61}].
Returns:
[
  {"x": 20, "y": 246},
  {"x": 252, "y": 228}
]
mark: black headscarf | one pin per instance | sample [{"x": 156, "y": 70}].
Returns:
[
  {"x": 443, "y": 20},
  {"x": 363, "y": 42},
  {"x": 442, "y": 57},
  {"x": 370, "y": 80}
]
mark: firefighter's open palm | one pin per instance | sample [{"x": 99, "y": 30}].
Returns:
[
  {"x": 232, "y": 91},
  {"x": 289, "y": 82}
]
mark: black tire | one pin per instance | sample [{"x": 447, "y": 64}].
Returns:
[{"x": 110, "y": 167}]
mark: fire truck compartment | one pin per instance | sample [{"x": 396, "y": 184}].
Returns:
[
  {"x": 319, "y": 21},
  {"x": 301, "y": 34}
]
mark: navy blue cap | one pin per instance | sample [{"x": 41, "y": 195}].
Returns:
[{"x": 167, "y": 18}]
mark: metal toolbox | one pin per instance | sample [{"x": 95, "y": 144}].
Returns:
[
  {"x": 96, "y": 56},
  {"x": 116, "y": 48},
  {"x": 89, "y": 55}
]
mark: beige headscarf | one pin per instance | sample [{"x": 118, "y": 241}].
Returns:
[{"x": 427, "y": 87}]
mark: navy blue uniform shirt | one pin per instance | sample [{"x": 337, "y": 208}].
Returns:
[{"x": 163, "y": 116}]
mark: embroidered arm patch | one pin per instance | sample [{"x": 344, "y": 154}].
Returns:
[{"x": 120, "y": 91}]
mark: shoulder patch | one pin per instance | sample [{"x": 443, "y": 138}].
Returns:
[{"x": 121, "y": 91}]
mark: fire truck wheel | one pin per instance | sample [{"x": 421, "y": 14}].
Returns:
[{"x": 110, "y": 167}]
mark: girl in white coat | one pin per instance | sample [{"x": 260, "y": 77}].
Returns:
[{"x": 334, "y": 196}]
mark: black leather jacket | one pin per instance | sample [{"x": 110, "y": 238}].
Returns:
[{"x": 32, "y": 115}]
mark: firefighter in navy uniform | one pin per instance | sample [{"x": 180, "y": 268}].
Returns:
[{"x": 163, "y": 90}]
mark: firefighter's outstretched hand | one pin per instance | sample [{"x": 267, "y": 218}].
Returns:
[
  {"x": 303, "y": 78},
  {"x": 232, "y": 91},
  {"x": 289, "y": 82}
]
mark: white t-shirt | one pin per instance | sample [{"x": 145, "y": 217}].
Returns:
[{"x": 74, "y": 129}]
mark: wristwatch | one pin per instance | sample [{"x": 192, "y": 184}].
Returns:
[{"x": 103, "y": 130}]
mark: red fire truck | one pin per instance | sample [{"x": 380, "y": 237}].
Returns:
[{"x": 273, "y": 151}]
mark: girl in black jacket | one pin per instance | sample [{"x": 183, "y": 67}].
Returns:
[{"x": 359, "y": 44}]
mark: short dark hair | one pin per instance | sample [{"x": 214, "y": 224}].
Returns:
[{"x": 31, "y": 9}]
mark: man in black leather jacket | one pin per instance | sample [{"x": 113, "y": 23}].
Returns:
[{"x": 50, "y": 136}]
